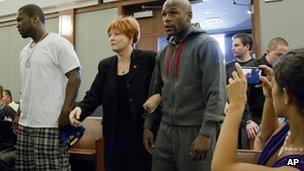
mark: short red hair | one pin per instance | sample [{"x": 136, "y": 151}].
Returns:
[{"x": 127, "y": 26}]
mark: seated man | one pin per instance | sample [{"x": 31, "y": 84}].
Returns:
[
  {"x": 8, "y": 100},
  {"x": 7, "y": 137}
]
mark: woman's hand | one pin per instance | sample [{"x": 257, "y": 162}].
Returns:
[
  {"x": 266, "y": 81},
  {"x": 74, "y": 116},
  {"x": 152, "y": 103},
  {"x": 237, "y": 87}
]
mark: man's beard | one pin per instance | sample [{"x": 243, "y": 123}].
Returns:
[{"x": 29, "y": 33}]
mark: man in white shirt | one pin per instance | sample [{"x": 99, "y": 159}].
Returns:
[
  {"x": 8, "y": 100},
  {"x": 50, "y": 79}
]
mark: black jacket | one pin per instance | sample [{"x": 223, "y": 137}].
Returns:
[
  {"x": 7, "y": 137},
  {"x": 103, "y": 91}
]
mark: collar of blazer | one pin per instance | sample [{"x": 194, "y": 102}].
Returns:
[{"x": 135, "y": 65}]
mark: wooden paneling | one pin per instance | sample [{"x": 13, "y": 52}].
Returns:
[
  {"x": 151, "y": 29},
  {"x": 114, "y": 5},
  {"x": 256, "y": 28},
  {"x": 147, "y": 26},
  {"x": 147, "y": 43}
]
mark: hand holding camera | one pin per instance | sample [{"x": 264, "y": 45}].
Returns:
[{"x": 252, "y": 74}]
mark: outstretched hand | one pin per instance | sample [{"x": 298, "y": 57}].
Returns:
[{"x": 74, "y": 116}]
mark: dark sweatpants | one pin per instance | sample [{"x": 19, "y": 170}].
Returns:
[{"x": 172, "y": 149}]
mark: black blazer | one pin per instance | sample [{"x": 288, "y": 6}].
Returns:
[{"x": 103, "y": 91}]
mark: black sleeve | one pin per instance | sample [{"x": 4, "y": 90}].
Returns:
[
  {"x": 93, "y": 97},
  {"x": 8, "y": 112}
]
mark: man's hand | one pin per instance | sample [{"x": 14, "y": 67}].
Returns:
[
  {"x": 199, "y": 147},
  {"x": 74, "y": 116},
  {"x": 16, "y": 125},
  {"x": 252, "y": 129},
  {"x": 148, "y": 140},
  {"x": 152, "y": 103},
  {"x": 64, "y": 116}
]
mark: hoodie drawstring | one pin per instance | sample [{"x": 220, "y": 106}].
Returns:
[
  {"x": 177, "y": 59},
  {"x": 179, "y": 52},
  {"x": 169, "y": 61}
]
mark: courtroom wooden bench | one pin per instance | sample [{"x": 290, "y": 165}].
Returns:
[
  {"x": 248, "y": 156},
  {"x": 90, "y": 146}
]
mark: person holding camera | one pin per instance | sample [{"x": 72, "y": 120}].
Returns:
[{"x": 283, "y": 146}]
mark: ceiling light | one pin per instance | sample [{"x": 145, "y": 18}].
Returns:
[
  {"x": 207, "y": 11},
  {"x": 214, "y": 20}
]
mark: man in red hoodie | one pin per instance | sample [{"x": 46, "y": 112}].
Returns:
[{"x": 190, "y": 76}]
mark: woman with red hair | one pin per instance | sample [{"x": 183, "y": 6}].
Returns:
[{"x": 121, "y": 86}]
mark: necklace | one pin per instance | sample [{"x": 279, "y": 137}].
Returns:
[
  {"x": 123, "y": 67},
  {"x": 31, "y": 49},
  {"x": 289, "y": 147}
]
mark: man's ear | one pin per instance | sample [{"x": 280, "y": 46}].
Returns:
[
  {"x": 190, "y": 15},
  {"x": 36, "y": 19},
  {"x": 248, "y": 46},
  {"x": 267, "y": 51}
]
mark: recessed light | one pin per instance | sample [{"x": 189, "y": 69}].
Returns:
[
  {"x": 214, "y": 20},
  {"x": 207, "y": 11}
]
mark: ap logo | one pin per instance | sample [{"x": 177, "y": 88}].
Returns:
[{"x": 293, "y": 162}]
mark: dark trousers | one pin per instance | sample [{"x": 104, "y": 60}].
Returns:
[{"x": 125, "y": 150}]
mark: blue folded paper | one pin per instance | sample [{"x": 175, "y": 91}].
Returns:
[{"x": 69, "y": 134}]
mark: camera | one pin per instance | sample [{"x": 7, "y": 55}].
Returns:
[{"x": 252, "y": 74}]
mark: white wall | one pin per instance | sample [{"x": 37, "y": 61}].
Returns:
[
  {"x": 8, "y": 8},
  {"x": 92, "y": 43},
  {"x": 283, "y": 19},
  {"x": 11, "y": 44}
]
